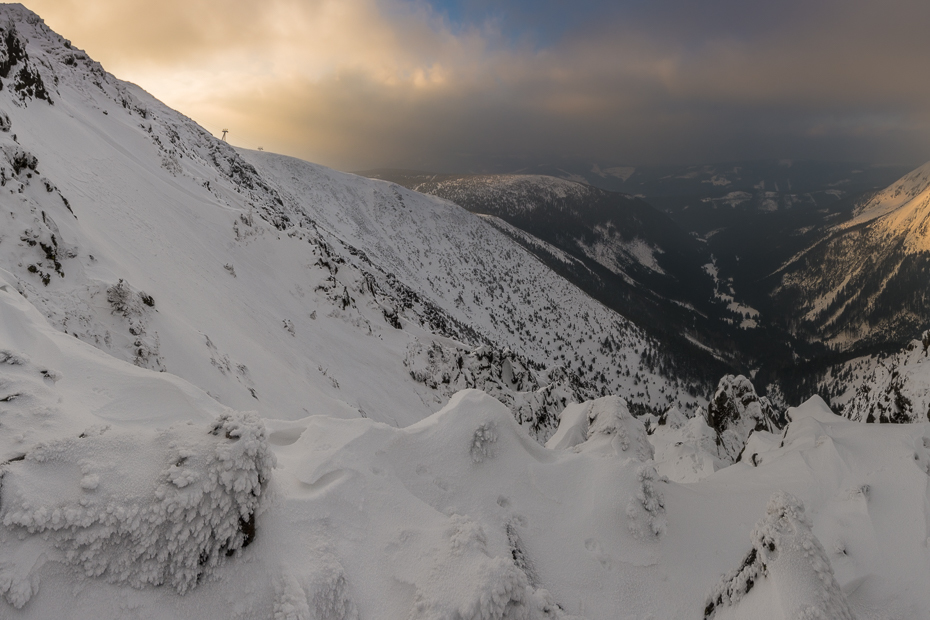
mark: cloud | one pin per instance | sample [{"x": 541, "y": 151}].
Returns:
[{"x": 364, "y": 83}]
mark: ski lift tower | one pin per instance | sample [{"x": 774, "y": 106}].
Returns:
[{"x": 225, "y": 131}]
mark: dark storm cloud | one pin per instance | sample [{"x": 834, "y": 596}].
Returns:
[{"x": 480, "y": 85}]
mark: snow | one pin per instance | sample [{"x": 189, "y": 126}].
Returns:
[
  {"x": 362, "y": 519},
  {"x": 747, "y": 316},
  {"x": 151, "y": 507},
  {"x": 788, "y": 561},
  {"x": 687, "y": 453},
  {"x": 902, "y": 209},
  {"x": 242, "y": 378},
  {"x": 612, "y": 251},
  {"x": 603, "y": 425},
  {"x": 896, "y": 389}
]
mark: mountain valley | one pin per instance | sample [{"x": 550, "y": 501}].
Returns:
[{"x": 236, "y": 384}]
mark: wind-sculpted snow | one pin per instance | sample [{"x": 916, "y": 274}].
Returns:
[
  {"x": 688, "y": 451},
  {"x": 138, "y": 507},
  {"x": 88, "y": 480},
  {"x": 897, "y": 389},
  {"x": 787, "y": 558},
  {"x": 602, "y": 425},
  {"x": 459, "y": 515}
]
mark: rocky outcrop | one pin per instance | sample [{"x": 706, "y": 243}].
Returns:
[
  {"x": 897, "y": 390},
  {"x": 735, "y": 411}
]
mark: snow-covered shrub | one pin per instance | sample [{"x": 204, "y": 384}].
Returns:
[
  {"x": 135, "y": 306},
  {"x": 784, "y": 550},
  {"x": 320, "y": 595},
  {"x": 128, "y": 302},
  {"x": 603, "y": 425},
  {"x": 646, "y": 510},
  {"x": 481, "y": 445},
  {"x": 142, "y": 508}
]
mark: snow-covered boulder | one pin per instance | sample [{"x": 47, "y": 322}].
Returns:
[
  {"x": 604, "y": 426},
  {"x": 672, "y": 418},
  {"x": 786, "y": 574},
  {"x": 735, "y": 411},
  {"x": 688, "y": 452},
  {"x": 136, "y": 506},
  {"x": 897, "y": 389}
]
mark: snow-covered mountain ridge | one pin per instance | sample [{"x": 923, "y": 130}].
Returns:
[
  {"x": 155, "y": 284},
  {"x": 271, "y": 283},
  {"x": 903, "y": 210},
  {"x": 614, "y": 246},
  {"x": 864, "y": 281}
]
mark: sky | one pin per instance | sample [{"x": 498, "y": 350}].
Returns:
[{"x": 478, "y": 85}]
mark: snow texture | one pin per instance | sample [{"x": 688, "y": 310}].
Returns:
[
  {"x": 786, "y": 557},
  {"x": 141, "y": 508},
  {"x": 604, "y": 426},
  {"x": 274, "y": 285},
  {"x": 897, "y": 389}
]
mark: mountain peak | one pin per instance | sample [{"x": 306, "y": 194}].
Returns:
[
  {"x": 903, "y": 208},
  {"x": 15, "y": 11}
]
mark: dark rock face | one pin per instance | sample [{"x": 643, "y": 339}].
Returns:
[{"x": 735, "y": 411}]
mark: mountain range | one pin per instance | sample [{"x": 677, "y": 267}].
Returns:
[{"x": 234, "y": 384}]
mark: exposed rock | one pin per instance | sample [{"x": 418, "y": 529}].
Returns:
[
  {"x": 735, "y": 411},
  {"x": 898, "y": 388}
]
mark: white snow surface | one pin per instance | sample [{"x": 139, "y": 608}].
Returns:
[
  {"x": 277, "y": 287},
  {"x": 460, "y": 515},
  {"x": 896, "y": 389},
  {"x": 786, "y": 575}
]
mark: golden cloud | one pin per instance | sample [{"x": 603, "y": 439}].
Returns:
[{"x": 362, "y": 83}]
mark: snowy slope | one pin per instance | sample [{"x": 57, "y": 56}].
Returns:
[
  {"x": 477, "y": 275},
  {"x": 897, "y": 389},
  {"x": 156, "y": 285},
  {"x": 903, "y": 209},
  {"x": 617, "y": 248},
  {"x": 459, "y": 515},
  {"x": 131, "y": 228},
  {"x": 620, "y": 233},
  {"x": 864, "y": 281}
]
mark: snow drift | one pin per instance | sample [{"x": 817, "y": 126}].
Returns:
[
  {"x": 787, "y": 559},
  {"x": 139, "y": 507}
]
